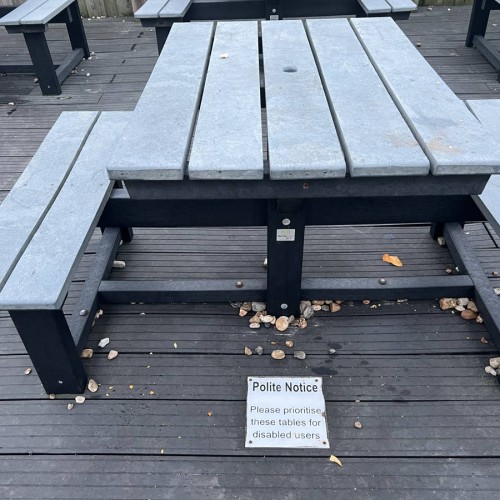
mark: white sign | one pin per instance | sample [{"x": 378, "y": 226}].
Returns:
[
  {"x": 285, "y": 235},
  {"x": 286, "y": 412}
]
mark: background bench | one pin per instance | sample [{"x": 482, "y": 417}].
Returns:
[
  {"x": 47, "y": 221},
  {"x": 161, "y": 14},
  {"x": 488, "y": 113},
  {"x": 32, "y": 19}
]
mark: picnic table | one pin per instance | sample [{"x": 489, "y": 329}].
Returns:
[{"x": 283, "y": 124}]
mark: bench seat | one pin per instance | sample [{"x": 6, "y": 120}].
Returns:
[
  {"x": 31, "y": 19},
  {"x": 387, "y": 7},
  {"x": 488, "y": 113},
  {"x": 48, "y": 219}
]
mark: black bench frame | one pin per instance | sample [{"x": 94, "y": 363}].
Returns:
[
  {"x": 50, "y": 76},
  {"x": 477, "y": 30}
]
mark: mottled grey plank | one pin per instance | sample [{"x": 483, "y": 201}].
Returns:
[
  {"x": 375, "y": 137},
  {"x": 452, "y": 138},
  {"x": 227, "y": 142},
  {"x": 24, "y": 208},
  {"x": 302, "y": 139},
  {"x": 42, "y": 275},
  {"x": 155, "y": 143}
]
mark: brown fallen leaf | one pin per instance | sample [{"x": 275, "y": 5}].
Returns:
[
  {"x": 335, "y": 460},
  {"x": 392, "y": 259}
]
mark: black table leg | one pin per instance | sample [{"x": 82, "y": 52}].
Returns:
[
  {"x": 52, "y": 350},
  {"x": 478, "y": 22},
  {"x": 43, "y": 63},
  {"x": 161, "y": 36},
  {"x": 76, "y": 30},
  {"x": 285, "y": 248}
]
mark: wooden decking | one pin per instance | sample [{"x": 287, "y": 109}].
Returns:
[{"x": 413, "y": 375}]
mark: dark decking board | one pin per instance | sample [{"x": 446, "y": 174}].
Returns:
[{"x": 430, "y": 414}]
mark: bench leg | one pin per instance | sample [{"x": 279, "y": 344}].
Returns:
[
  {"x": 161, "y": 36},
  {"x": 52, "y": 350},
  {"x": 76, "y": 30},
  {"x": 285, "y": 248},
  {"x": 478, "y": 22},
  {"x": 42, "y": 63}
]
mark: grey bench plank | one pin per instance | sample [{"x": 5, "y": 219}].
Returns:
[
  {"x": 151, "y": 9},
  {"x": 402, "y": 5},
  {"x": 175, "y": 8},
  {"x": 302, "y": 139},
  {"x": 42, "y": 275},
  {"x": 13, "y": 18},
  {"x": 488, "y": 113},
  {"x": 375, "y": 137},
  {"x": 227, "y": 141},
  {"x": 155, "y": 143},
  {"x": 375, "y": 6},
  {"x": 46, "y": 11},
  {"x": 452, "y": 138},
  {"x": 29, "y": 200}
]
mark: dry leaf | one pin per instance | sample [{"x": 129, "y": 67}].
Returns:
[
  {"x": 392, "y": 259},
  {"x": 335, "y": 460}
]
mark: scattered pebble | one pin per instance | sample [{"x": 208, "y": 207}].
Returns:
[
  {"x": 267, "y": 319},
  {"x": 447, "y": 303},
  {"x": 209, "y": 413},
  {"x": 472, "y": 306},
  {"x": 246, "y": 306},
  {"x": 248, "y": 351},
  {"x": 12, "y": 103},
  {"x": 258, "y": 306},
  {"x": 316, "y": 307},
  {"x": 358, "y": 424},
  {"x": 131, "y": 386},
  {"x": 243, "y": 312},
  {"x": 92, "y": 385},
  {"x": 479, "y": 319},
  {"x": 490, "y": 370},
  {"x": 460, "y": 308},
  {"x": 335, "y": 460},
  {"x": 289, "y": 343},
  {"x": 495, "y": 363},
  {"x": 259, "y": 350},
  {"x": 332, "y": 351},
  {"x": 299, "y": 355},
  {"x": 80, "y": 399},
  {"x": 366, "y": 302},
  {"x": 278, "y": 354},
  {"x": 119, "y": 264},
  {"x": 304, "y": 304},
  {"x": 325, "y": 308},
  {"x": 495, "y": 273},
  {"x": 497, "y": 290},
  {"x": 112, "y": 354},
  {"x": 334, "y": 307},
  {"x": 468, "y": 314},
  {"x": 463, "y": 301},
  {"x": 70, "y": 406},
  {"x": 255, "y": 318},
  {"x": 104, "y": 342},
  {"x": 418, "y": 44},
  {"x": 87, "y": 75},
  {"x": 254, "y": 325},
  {"x": 317, "y": 302},
  {"x": 27, "y": 371},
  {"x": 52, "y": 396},
  {"x": 308, "y": 312},
  {"x": 281, "y": 323},
  {"x": 484, "y": 340},
  {"x": 265, "y": 263},
  {"x": 449, "y": 271},
  {"x": 291, "y": 319},
  {"x": 302, "y": 323}
]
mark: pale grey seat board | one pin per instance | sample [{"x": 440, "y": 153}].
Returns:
[
  {"x": 227, "y": 141},
  {"x": 29, "y": 200},
  {"x": 151, "y": 9},
  {"x": 488, "y": 113},
  {"x": 375, "y": 6},
  {"x": 402, "y": 5},
  {"x": 43, "y": 274},
  {"x": 452, "y": 138},
  {"x": 46, "y": 11},
  {"x": 302, "y": 140},
  {"x": 175, "y": 8},
  {"x": 374, "y": 135},
  {"x": 155, "y": 143},
  {"x": 14, "y": 17}
]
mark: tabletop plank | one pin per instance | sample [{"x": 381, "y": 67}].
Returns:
[
  {"x": 45, "y": 11},
  {"x": 151, "y": 9},
  {"x": 155, "y": 143},
  {"x": 302, "y": 139},
  {"x": 227, "y": 142},
  {"x": 452, "y": 138},
  {"x": 375, "y": 137}
]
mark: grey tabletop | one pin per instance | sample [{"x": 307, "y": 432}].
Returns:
[{"x": 322, "y": 98}]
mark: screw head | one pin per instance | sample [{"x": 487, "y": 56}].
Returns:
[
  {"x": 284, "y": 306},
  {"x": 286, "y": 222},
  {"x": 239, "y": 284},
  {"x": 84, "y": 312},
  {"x": 382, "y": 281},
  {"x": 274, "y": 11}
]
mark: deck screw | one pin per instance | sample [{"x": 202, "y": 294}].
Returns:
[
  {"x": 83, "y": 312},
  {"x": 286, "y": 222},
  {"x": 239, "y": 284},
  {"x": 284, "y": 306},
  {"x": 382, "y": 281},
  {"x": 274, "y": 11}
]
